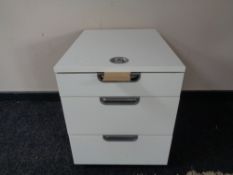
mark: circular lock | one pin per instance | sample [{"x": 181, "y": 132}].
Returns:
[{"x": 119, "y": 60}]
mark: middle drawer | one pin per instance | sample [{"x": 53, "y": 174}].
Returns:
[{"x": 148, "y": 116}]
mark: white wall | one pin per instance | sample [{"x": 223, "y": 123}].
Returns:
[{"x": 34, "y": 34}]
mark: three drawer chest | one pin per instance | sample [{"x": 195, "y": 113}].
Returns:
[{"x": 120, "y": 92}]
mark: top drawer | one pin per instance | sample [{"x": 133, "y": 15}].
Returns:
[{"x": 149, "y": 84}]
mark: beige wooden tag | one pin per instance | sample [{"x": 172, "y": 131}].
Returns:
[{"x": 116, "y": 76}]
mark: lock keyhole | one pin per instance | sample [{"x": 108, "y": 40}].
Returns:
[{"x": 119, "y": 60}]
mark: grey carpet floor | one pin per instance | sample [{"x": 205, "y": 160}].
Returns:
[{"x": 33, "y": 139}]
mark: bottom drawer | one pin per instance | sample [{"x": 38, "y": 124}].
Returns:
[{"x": 107, "y": 150}]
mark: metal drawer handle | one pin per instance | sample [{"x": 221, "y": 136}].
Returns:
[
  {"x": 120, "y": 138},
  {"x": 119, "y": 100},
  {"x": 134, "y": 77}
]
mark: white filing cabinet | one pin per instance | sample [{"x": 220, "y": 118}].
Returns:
[{"x": 120, "y": 91}]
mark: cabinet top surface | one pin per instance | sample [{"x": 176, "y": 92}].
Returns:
[{"x": 145, "y": 49}]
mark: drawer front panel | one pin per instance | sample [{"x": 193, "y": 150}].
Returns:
[
  {"x": 149, "y": 116},
  {"x": 144, "y": 150},
  {"x": 149, "y": 84}
]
